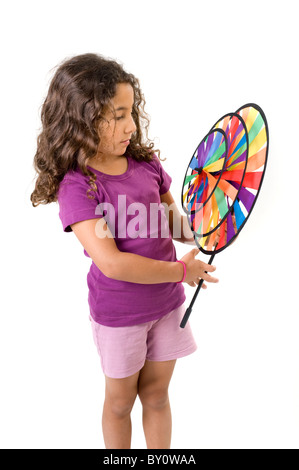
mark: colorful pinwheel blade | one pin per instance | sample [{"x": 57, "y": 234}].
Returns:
[
  {"x": 245, "y": 176},
  {"x": 220, "y": 194},
  {"x": 204, "y": 171}
]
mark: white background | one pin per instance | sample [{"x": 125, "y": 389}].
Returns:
[{"x": 196, "y": 61}]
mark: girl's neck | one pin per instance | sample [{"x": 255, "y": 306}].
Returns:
[{"x": 109, "y": 165}]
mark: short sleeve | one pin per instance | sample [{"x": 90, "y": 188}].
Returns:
[
  {"x": 74, "y": 203},
  {"x": 165, "y": 179}
]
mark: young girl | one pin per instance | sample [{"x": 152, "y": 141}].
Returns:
[{"x": 93, "y": 158}]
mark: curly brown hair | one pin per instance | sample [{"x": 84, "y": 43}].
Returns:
[{"x": 79, "y": 94}]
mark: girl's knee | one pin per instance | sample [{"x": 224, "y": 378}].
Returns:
[
  {"x": 120, "y": 395},
  {"x": 120, "y": 407},
  {"x": 155, "y": 399}
]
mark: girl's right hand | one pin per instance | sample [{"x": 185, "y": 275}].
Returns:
[{"x": 197, "y": 270}]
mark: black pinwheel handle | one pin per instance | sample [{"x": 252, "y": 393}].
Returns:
[{"x": 189, "y": 309}]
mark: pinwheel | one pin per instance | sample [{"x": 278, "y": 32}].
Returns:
[{"x": 223, "y": 180}]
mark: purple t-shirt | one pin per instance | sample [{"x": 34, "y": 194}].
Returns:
[{"x": 130, "y": 204}]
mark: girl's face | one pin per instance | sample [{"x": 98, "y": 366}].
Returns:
[{"x": 116, "y": 131}]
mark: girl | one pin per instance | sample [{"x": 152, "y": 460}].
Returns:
[{"x": 93, "y": 158}]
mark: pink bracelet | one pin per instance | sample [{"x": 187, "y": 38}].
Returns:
[{"x": 184, "y": 266}]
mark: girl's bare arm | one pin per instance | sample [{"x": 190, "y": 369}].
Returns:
[{"x": 130, "y": 267}]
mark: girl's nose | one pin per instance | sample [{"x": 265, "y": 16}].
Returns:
[{"x": 131, "y": 126}]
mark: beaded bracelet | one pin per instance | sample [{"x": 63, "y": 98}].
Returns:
[{"x": 184, "y": 266}]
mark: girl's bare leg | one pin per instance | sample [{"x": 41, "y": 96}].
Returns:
[
  {"x": 116, "y": 421},
  {"x": 154, "y": 379}
]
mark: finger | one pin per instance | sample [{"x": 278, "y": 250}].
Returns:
[
  {"x": 192, "y": 284},
  {"x": 195, "y": 251},
  {"x": 208, "y": 267},
  {"x": 209, "y": 278}
]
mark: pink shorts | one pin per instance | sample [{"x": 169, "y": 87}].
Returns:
[{"x": 124, "y": 350}]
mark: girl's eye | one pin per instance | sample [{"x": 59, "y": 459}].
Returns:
[{"x": 118, "y": 118}]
